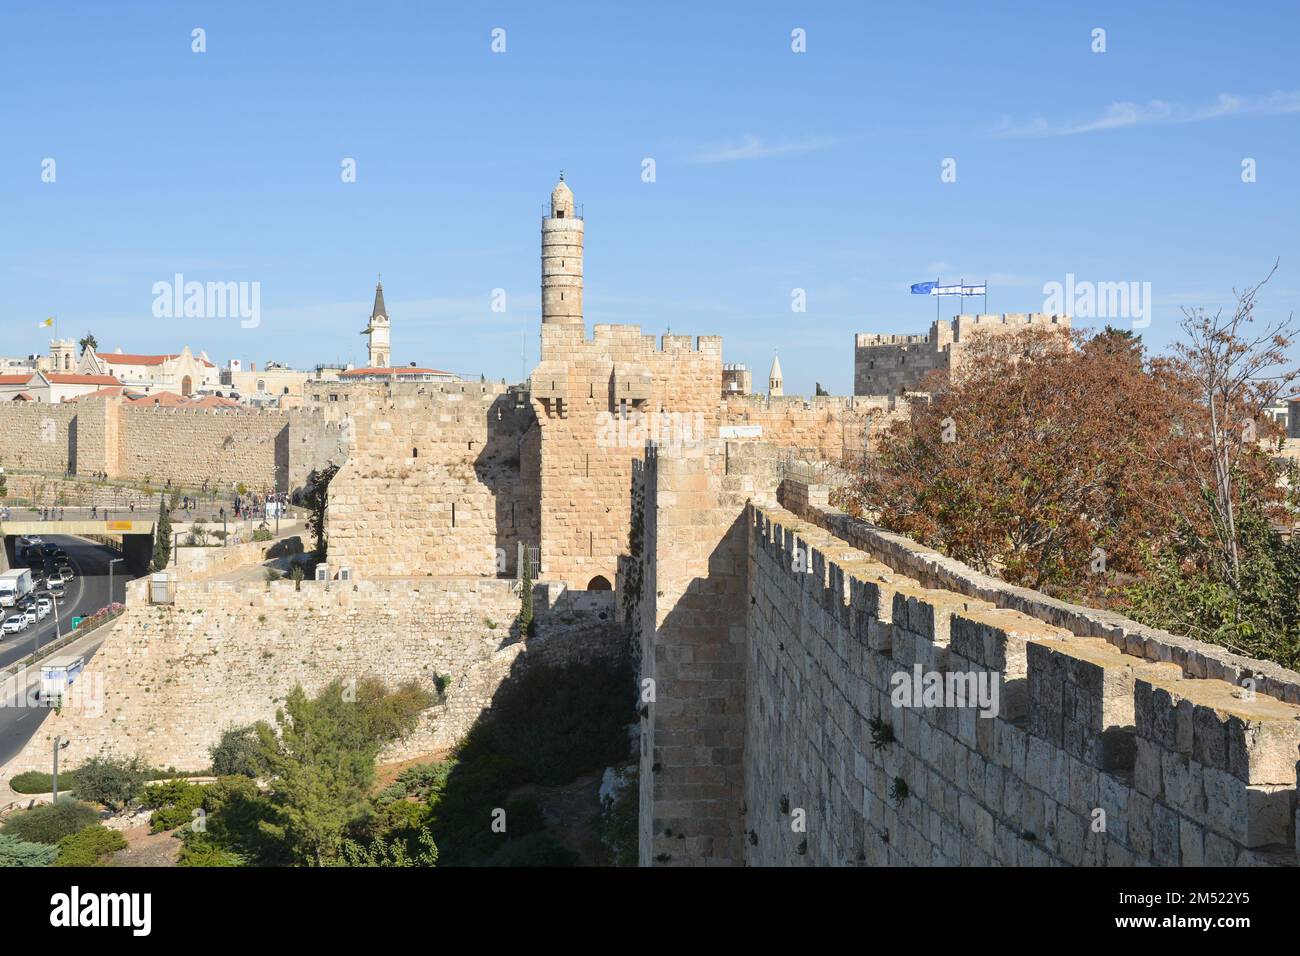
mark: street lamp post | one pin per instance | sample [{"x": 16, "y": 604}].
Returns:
[
  {"x": 223, "y": 527},
  {"x": 59, "y": 744},
  {"x": 110, "y": 577}
]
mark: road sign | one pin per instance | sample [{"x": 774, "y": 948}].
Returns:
[{"x": 76, "y": 621}]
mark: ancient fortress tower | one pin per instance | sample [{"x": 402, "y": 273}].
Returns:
[
  {"x": 377, "y": 330},
  {"x": 562, "y": 260}
]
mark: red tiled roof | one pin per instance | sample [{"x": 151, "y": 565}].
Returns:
[
  {"x": 60, "y": 378},
  {"x": 23, "y": 397},
  {"x": 106, "y": 392},
  {"x": 131, "y": 358},
  {"x": 16, "y": 379}
]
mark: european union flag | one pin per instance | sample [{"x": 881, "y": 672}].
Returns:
[{"x": 923, "y": 288}]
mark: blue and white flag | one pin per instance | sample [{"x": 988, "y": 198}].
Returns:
[{"x": 933, "y": 288}]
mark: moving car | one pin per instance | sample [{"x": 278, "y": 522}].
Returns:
[
  {"x": 43, "y": 611},
  {"x": 14, "y": 623},
  {"x": 56, "y": 587},
  {"x": 30, "y": 615},
  {"x": 66, "y": 574}
]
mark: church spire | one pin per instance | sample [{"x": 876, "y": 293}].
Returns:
[{"x": 379, "y": 308}]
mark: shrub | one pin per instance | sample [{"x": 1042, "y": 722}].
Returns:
[
  {"x": 112, "y": 781},
  {"x": 174, "y": 803},
  {"x": 237, "y": 753},
  {"x": 16, "y": 852},
  {"x": 33, "y": 781},
  {"x": 262, "y": 534},
  {"x": 50, "y": 822},
  {"x": 89, "y": 846},
  {"x": 204, "y": 853},
  {"x": 618, "y": 823}
]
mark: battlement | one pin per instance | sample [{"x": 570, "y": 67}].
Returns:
[
  {"x": 1182, "y": 770},
  {"x": 967, "y": 323},
  {"x": 872, "y": 340},
  {"x": 558, "y": 340},
  {"x": 896, "y": 364}
]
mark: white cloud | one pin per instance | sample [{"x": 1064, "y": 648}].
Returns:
[
  {"x": 754, "y": 147},
  {"x": 1123, "y": 115}
]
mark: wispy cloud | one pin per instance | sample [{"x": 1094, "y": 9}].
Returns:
[
  {"x": 755, "y": 147},
  {"x": 1123, "y": 115}
]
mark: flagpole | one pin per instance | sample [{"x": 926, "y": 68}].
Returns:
[{"x": 937, "y": 297}]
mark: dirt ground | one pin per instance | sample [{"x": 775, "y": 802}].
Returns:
[{"x": 148, "y": 849}]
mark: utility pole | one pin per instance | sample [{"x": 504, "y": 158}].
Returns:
[{"x": 110, "y": 577}]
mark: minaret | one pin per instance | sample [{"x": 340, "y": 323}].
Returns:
[
  {"x": 378, "y": 332},
  {"x": 562, "y": 260},
  {"x": 774, "y": 389}
]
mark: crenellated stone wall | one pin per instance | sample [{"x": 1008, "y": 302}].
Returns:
[
  {"x": 1040, "y": 733},
  {"x": 896, "y": 364},
  {"x": 580, "y": 390}
]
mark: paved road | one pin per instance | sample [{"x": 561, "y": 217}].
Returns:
[{"x": 86, "y": 593}]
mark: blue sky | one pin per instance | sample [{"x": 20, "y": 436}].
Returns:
[{"x": 774, "y": 170}]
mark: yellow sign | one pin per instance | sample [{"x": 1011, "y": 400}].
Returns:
[{"x": 120, "y": 525}]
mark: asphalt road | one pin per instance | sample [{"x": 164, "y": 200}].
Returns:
[{"x": 86, "y": 593}]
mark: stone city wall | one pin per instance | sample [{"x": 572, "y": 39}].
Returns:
[
  {"x": 443, "y": 480},
  {"x": 263, "y": 449},
  {"x": 895, "y": 364},
  {"x": 825, "y": 428},
  {"x": 1107, "y": 743},
  {"x": 669, "y": 389},
  {"x": 1095, "y": 757},
  {"x": 37, "y": 436},
  {"x": 170, "y": 678}
]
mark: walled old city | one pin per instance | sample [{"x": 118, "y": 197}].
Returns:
[{"x": 663, "y": 519}]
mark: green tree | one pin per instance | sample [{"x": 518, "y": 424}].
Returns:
[
  {"x": 238, "y": 752},
  {"x": 112, "y": 781},
  {"x": 321, "y": 763},
  {"x": 383, "y": 852},
  {"x": 1257, "y": 614},
  {"x": 88, "y": 341},
  {"x": 316, "y": 498},
  {"x": 162, "y": 539}
]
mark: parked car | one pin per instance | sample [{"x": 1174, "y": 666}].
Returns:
[{"x": 14, "y": 623}]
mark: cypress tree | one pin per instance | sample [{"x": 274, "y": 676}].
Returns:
[{"x": 162, "y": 538}]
